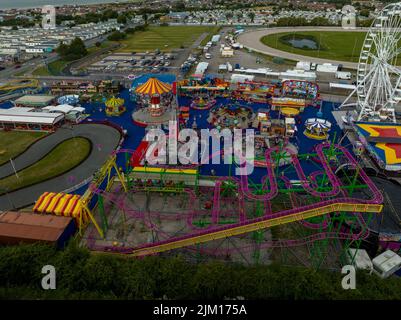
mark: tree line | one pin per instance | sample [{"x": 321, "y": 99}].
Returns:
[
  {"x": 82, "y": 275},
  {"x": 318, "y": 21}
]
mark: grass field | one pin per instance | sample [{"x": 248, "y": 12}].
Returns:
[
  {"x": 15, "y": 142},
  {"x": 53, "y": 69},
  {"x": 164, "y": 38},
  {"x": 342, "y": 46},
  {"x": 61, "y": 159}
]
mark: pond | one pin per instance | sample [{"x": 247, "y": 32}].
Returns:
[{"x": 303, "y": 43}]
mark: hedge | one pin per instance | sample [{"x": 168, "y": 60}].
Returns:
[{"x": 82, "y": 275}]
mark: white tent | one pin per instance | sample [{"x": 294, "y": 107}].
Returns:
[{"x": 63, "y": 108}]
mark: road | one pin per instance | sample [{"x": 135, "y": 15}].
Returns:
[
  {"x": 251, "y": 40},
  {"x": 104, "y": 140}
]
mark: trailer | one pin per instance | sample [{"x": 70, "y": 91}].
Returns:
[
  {"x": 327, "y": 67},
  {"x": 235, "y": 78},
  {"x": 343, "y": 75}
]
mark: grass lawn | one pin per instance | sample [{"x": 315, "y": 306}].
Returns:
[
  {"x": 61, "y": 159},
  {"x": 41, "y": 71},
  {"x": 342, "y": 46},
  {"x": 103, "y": 45},
  {"x": 53, "y": 69},
  {"x": 13, "y": 143},
  {"x": 164, "y": 38}
]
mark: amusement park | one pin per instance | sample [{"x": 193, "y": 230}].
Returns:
[{"x": 320, "y": 193}]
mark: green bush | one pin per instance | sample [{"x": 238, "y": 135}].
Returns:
[
  {"x": 117, "y": 36},
  {"x": 81, "y": 275},
  {"x": 76, "y": 50}
]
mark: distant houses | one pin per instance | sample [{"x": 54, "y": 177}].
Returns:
[{"x": 36, "y": 41}]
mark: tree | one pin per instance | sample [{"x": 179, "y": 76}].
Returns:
[
  {"x": 229, "y": 15},
  {"x": 179, "y": 6},
  {"x": 76, "y": 50},
  {"x": 145, "y": 17},
  {"x": 319, "y": 21},
  {"x": 251, "y": 16},
  {"x": 117, "y": 36},
  {"x": 122, "y": 19},
  {"x": 364, "y": 12}
]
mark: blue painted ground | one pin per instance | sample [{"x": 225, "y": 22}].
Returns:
[
  {"x": 304, "y": 144},
  {"x": 136, "y": 133}
]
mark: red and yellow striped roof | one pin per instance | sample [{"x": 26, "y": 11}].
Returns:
[{"x": 153, "y": 86}]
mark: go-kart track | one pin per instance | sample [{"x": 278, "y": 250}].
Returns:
[
  {"x": 251, "y": 40},
  {"x": 104, "y": 140}
]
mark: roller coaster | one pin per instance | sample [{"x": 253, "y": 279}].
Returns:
[{"x": 330, "y": 206}]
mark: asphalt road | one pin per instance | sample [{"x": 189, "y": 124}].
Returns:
[
  {"x": 251, "y": 40},
  {"x": 104, "y": 140}
]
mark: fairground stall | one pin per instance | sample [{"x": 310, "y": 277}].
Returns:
[{"x": 254, "y": 91}]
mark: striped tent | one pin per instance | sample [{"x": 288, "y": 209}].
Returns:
[{"x": 153, "y": 87}]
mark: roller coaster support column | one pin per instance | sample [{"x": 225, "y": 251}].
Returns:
[
  {"x": 258, "y": 235},
  {"x": 102, "y": 214},
  {"x": 128, "y": 170}
]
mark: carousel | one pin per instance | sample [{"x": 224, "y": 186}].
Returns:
[
  {"x": 153, "y": 100},
  {"x": 317, "y": 128},
  {"x": 115, "y": 106},
  {"x": 231, "y": 117}
]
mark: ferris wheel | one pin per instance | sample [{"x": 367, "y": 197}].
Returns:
[{"x": 379, "y": 76}]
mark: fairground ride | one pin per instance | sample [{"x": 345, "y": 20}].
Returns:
[
  {"x": 378, "y": 87},
  {"x": 223, "y": 216}
]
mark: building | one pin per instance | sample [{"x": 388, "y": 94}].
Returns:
[
  {"x": 36, "y": 101},
  {"x": 84, "y": 87},
  {"x": 27, "y": 119},
  {"x": 17, "y": 227}
]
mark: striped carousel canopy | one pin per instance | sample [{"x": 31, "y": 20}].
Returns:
[
  {"x": 114, "y": 102},
  {"x": 152, "y": 87}
]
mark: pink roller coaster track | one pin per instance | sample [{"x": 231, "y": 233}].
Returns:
[{"x": 244, "y": 191}]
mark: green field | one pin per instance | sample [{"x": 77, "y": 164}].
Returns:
[
  {"x": 165, "y": 38},
  {"x": 341, "y": 46},
  {"x": 61, "y": 159},
  {"x": 53, "y": 69},
  {"x": 15, "y": 142}
]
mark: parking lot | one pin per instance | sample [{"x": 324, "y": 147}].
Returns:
[{"x": 133, "y": 62}]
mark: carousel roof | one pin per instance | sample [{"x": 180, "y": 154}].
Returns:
[
  {"x": 153, "y": 86},
  {"x": 114, "y": 102}
]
